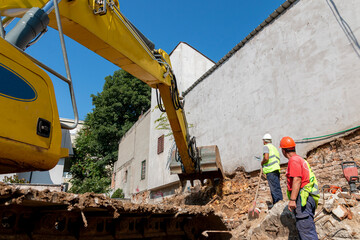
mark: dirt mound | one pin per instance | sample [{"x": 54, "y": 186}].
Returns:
[
  {"x": 230, "y": 199},
  {"x": 13, "y": 195},
  {"x": 59, "y": 215}
]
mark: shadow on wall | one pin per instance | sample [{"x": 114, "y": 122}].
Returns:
[
  {"x": 41, "y": 177},
  {"x": 345, "y": 27}
]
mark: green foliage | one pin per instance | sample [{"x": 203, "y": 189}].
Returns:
[
  {"x": 14, "y": 179},
  {"x": 118, "y": 194},
  {"x": 162, "y": 123},
  {"x": 123, "y": 99}
]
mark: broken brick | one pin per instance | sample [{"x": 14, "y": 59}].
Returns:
[{"x": 340, "y": 212}]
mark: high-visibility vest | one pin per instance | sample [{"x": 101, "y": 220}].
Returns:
[
  {"x": 274, "y": 160},
  {"x": 312, "y": 188}
]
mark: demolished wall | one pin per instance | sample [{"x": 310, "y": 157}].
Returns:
[
  {"x": 325, "y": 162},
  {"x": 332, "y": 220},
  {"x": 234, "y": 197}
]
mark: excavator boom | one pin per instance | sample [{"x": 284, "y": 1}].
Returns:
[{"x": 100, "y": 26}]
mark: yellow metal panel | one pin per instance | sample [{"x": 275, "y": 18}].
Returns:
[
  {"x": 21, "y": 148},
  {"x": 21, "y": 124},
  {"x": 178, "y": 128},
  {"x": 13, "y": 4},
  {"x": 108, "y": 31}
]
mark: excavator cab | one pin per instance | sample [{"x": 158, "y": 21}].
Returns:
[
  {"x": 30, "y": 133},
  {"x": 30, "y": 136}
]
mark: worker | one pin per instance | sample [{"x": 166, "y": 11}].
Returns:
[
  {"x": 271, "y": 167},
  {"x": 302, "y": 190}
]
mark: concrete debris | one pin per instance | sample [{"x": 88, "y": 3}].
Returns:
[
  {"x": 340, "y": 212},
  {"x": 337, "y": 217},
  {"x": 59, "y": 215},
  {"x": 330, "y": 204},
  {"x": 279, "y": 223},
  {"x": 349, "y": 202},
  {"x": 12, "y": 195},
  {"x": 344, "y": 195},
  {"x": 237, "y": 193},
  {"x": 356, "y": 196}
]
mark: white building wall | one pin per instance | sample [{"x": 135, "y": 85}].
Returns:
[
  {"x": 297, "y": 77},
  {"x": 133, "y": 149},
  {"x": 188, "y": 65}
]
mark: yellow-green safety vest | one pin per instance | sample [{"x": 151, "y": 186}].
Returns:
[
  {"x": 311, "y": 188},
  {"x": 274, "y": 160}
]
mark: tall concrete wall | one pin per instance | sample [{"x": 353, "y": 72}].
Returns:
[
  {"x": 133, "y": 149},
  {"x": 188, "y": 65},
  {"x": 298, "y": 77}
]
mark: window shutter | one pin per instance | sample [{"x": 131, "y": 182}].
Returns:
[
  {"x": 160, "y": 146},
  {"x": 143, "y": 169}
]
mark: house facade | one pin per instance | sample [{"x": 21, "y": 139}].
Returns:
[{"x": 145, "y": 146}]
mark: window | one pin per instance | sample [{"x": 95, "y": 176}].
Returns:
[
  {"x": 160, "y": 146},
  {"x": 143, "y": 169},
  {"x": 125, "y": 176}
]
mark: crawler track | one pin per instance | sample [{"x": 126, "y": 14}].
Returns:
[{"x": 31, "y": 214}]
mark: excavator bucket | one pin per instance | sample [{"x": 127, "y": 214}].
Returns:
[{"x": 210, "y": 165}]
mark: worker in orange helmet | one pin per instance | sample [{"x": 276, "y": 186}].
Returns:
[{"x": 302, "y": 190}]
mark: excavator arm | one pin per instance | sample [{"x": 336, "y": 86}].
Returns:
[{"x": 101, "y": 27}]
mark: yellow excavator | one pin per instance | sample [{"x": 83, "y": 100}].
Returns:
[{"x": 30, "y": 133}]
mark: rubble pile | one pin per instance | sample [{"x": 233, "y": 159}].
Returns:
[
  {"x": 325, "y": 160},
  {"x": 337, "y": 216},
  {"x": 11, "y": 195},
  {"x": 230, "y": 199}
]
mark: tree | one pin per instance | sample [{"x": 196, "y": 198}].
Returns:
[
  {"x": 162, "y": 123},
  {"x": 123, "y": 99},
  {"x": 14, "y": 179},
  {"x": 118, "y": 193}
]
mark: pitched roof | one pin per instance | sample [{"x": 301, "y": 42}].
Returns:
[{"x": 192, "y": 48}]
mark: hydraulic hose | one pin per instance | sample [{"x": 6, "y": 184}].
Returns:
[{"x": 319, "y": 138}]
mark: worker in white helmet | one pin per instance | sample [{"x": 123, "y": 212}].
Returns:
[{"x": 271, "y": 167}]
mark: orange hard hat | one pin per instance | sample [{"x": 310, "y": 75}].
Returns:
[{"x": 287, "y": 142}]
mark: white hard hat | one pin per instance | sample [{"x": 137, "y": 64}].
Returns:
[{"x": 267, "y": 136}]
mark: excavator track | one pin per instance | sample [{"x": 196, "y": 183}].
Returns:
[{"x": 32, "y": 214}]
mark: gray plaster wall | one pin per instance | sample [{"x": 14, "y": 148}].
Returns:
[
  {"x": 133, "y": 149},
  {"x": 52, "y": 176},
  {"x": 188, "y": 65},
  {"x": 297, "y": 77}
]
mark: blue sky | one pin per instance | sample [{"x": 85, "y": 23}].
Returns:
[{"x": 213, "y": 27}]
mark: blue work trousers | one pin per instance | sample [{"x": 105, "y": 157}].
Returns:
[
  {"x": 274, "y": 184},
  {"x": 305, "y": 219}
]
